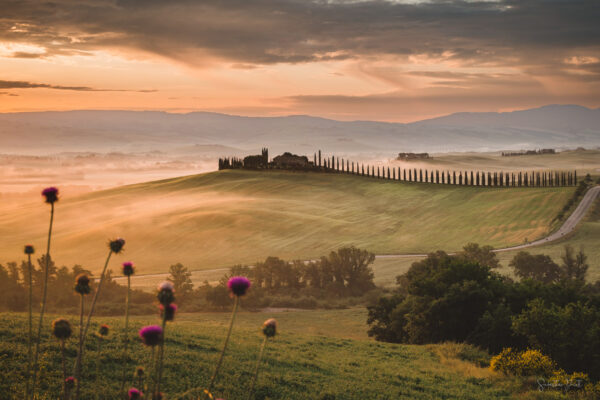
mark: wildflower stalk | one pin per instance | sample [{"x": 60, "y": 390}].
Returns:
[
  {"x": 255, "y": 376},
  {"x": 161, "y": 353},
  {"x": 98, "y": 366},
  {"x": 80, "y": 352},
  {"x": 126, "y": 338},
  {"x": 150, "y": 380},
  {"x": 43, "y": 308},
  {"x": 214, "y": 376},
  {"x": 64, "y": 368},
  {"x": 30, "y": 334},
  {"x": 93, "y": 305}
]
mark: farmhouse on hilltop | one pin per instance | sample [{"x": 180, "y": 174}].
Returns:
[
  {"x": 289, "y": 160},
  {"x": 413, "y": 156}
]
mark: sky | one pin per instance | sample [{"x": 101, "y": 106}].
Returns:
[{"x": 347, "y": 60}]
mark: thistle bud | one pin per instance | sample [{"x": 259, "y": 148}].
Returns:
[
  {"x": 269, "y": 328},
  {"x": 29, "y": 249},
  {"x": 168, "y": 311},
  {"x": 165, "y": 293},
  {"x": 103, "y": 330},
  {"x": 82, "y": 284},
  {"x": 139, "y": 372},
  {"x": 116, "y": 245},
  {"x": 61, "y": 329}
]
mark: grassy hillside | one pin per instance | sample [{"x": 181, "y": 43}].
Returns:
[
  {"x": 299, "y": 363},
  {"x": 585, "y": 236},
  {"x": 219, "y": 219}
]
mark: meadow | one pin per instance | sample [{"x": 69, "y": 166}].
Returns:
[
  {"x": 316, "y": 355},
  {"x": 218, "y": 219}
]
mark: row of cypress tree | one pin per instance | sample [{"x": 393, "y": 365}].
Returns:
[{"x": 465, "y": 178}]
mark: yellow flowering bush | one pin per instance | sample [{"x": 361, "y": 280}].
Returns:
[{"x": 527, "y": 363}]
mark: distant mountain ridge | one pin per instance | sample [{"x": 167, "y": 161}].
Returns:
[{"x": 558, "y": 126}]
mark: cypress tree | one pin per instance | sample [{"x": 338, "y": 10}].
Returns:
[
  {"x": 394, "y": 174},
  {"x": 437, "y": 176},
  {"x": 378, "y": 174},
  {"x": 404, "y": 174},
  {"x": 337, "y": 164},
  {"x": 489, "y": 179},
  {"x": 410, "y": 175},
  {"x": 319, "y": 158},
  {"x": 315, "y": 159},
  {"x": 575, "y": 178},
  {"x": 472, "y": 180},
  {"x": 454, "y": 177}
]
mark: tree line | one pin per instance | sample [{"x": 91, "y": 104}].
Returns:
[
  {"x": 345, "y": 273},
  {"x": 420, "y": 175},
  {"x": 549, "y": 306},
  {"x": 61, "y": 297}
]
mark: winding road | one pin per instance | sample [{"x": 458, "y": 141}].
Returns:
[{"x": 567, "y": 227}]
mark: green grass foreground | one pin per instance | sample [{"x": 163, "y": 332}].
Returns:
[
  {"x": 300, "y": 363},
  {"x": 219, "y": 219}
]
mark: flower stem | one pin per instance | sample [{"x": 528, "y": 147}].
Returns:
[
  {"x": 89, "y": 317},
  {"x": 162, "y": 351},
  {"x": 255, "y": 377},
  {"x": 149, "y": 383},
  {"x": 214, "y": 377},
  {"x": 30, "y": 335},
  {"x": 80, "y": 352},
  {"x": 98, "y": 367},
  {"x": 126, "y": 340},
  {"x": 64, "y": 367},
  {"x": 43, "y": 309}
]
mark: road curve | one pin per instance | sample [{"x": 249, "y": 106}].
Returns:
[{"x": 569, "y": 225}]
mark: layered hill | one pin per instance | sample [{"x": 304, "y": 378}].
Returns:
[
  {"x": 43, "y": 132},
  {"x": 222, "y": 218}
]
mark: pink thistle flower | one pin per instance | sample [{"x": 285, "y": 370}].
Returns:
[
  {"x": 134, "y": 394},
  {"x": 51, "y": 195},
  {"x": 128, "y": 268},
  {"x": 238, "y": 285},
  {"x": 151, "y": 335},
  {"x": 70, "y": 381}
]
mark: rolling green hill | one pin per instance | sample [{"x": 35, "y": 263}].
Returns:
[
  {"x": 222, "y": 218},
  {"x": 300, "y": 362}
]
